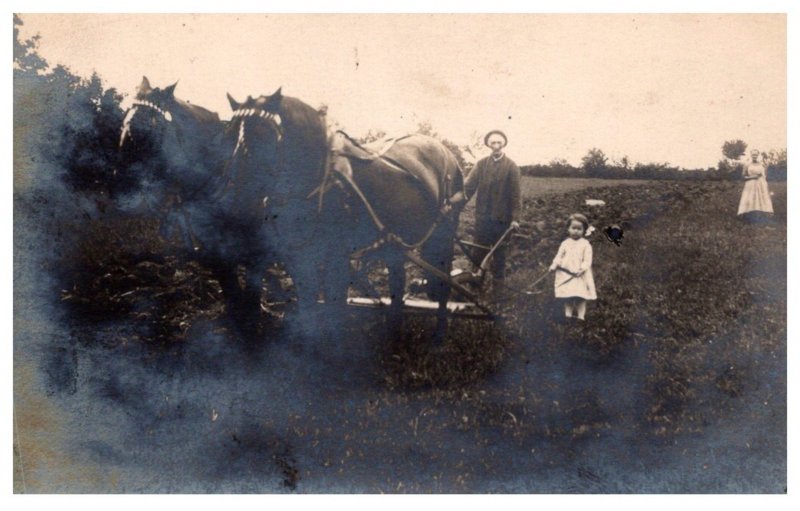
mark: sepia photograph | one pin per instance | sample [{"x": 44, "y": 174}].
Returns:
[{"x": 451, "y": 253}]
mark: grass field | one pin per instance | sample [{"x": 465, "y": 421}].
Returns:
[
  {"x": 676, "y": 382},
  {"x": 533, "y": 187},
  {"x": 686, "y": 344},
  {"x": 701, "y": 291},
  {"x": 537, "y": 187}
]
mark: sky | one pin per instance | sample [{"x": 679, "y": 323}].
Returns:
[{"x": 653, "y": 87}]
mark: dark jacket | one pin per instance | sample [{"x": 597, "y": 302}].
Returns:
[{"x": 498, "y": 189}]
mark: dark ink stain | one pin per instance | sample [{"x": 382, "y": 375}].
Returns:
[
  {"x": 585, "y": 473},
  {"x": 614, "y": 234},
  {"x": 290, "y": 473}
]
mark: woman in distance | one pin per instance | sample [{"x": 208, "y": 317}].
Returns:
[{"x": 755, "y": 201}]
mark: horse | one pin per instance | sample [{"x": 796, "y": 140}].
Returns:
[
  {"x": 330, "y": 199},
  {"x": 182, "y": 150}
]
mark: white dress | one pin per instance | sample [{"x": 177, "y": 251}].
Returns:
[
  {"x": 574, "y": 255},
  {"x": 755, "y": 195}
]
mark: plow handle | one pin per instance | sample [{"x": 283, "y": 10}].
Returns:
[
  {"x": 425, "y": 265},
  {"x": 485, "y": 262}
]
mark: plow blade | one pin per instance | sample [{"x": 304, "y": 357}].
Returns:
[{"x": 422, "y": 306}]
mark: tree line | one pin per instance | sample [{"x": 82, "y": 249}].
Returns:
[
  {"x": 597, "y": 165},
  {"x": 65, "y": 127}
]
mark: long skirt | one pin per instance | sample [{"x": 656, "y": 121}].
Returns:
[{"x": 755, "y": 197}]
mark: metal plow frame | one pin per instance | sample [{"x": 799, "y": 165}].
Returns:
[{"x": 474, "y": 308}]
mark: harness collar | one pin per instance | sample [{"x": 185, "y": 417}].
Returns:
[
  {"x": 126, "y": 122},
  {"x": 149, "y": 104}
]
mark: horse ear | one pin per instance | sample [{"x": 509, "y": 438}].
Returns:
[
  {"x": 274, "y": 102},
  {"x": 145, "y": 87},
  {"x": 171, "y": 89},
  {"x": 234, "y": 104}
]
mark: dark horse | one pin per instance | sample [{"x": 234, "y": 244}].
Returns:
[
  {"x": 182, "y": 153},
  {"x": 326, "y": 203}
]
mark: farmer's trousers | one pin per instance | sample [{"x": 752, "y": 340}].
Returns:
[{"x": 487, "y": 232}]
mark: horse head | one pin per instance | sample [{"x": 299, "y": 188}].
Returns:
[
  {"x": 171, "y": 138},
  {"x": 257, "y": 126},
  {"x": 147, "y": 119},
  {"x": 277, "y": 136}
]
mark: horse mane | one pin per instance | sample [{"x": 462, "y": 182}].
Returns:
[
  {"x": 301, "y": 115},
  {"x": 305, "y": 125},
  {"x": 198, "y": 113}
]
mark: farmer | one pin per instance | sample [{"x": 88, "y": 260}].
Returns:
[{"x": 495, "y": 179}]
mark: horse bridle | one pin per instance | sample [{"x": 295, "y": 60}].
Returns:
[
  {"x": 273, "y": 118},
  {"x": 126, "y": 123},
  {"x": 275, "y": 123},
  {"x": 149, "y": 104}
]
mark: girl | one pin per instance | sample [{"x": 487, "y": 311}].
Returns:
[{"x": 573, "y": 266}]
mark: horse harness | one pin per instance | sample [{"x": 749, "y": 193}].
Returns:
[
  {"x": 344, "y": 147},
  {"x": 275, "y": 122},
  {"x": 273, "y": 117}
]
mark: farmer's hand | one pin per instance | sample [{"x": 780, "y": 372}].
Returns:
[
  {"x": 579, "y": 273},
  {"x": 552, "y": 267},
  {"x": 457, "y": 198},
  {"x": 515, "y": 225}
]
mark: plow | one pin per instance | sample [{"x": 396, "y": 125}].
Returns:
[{"x": 468, "y": 287}]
